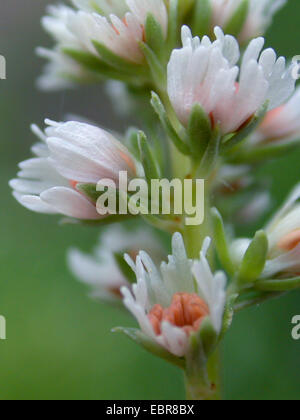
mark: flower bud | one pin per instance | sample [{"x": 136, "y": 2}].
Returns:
[
  {"x": 206, "y": 73},
  {"x": 70, "y": 154}
]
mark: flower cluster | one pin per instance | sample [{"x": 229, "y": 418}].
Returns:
[
  {"x": 120, "y": 30},
  {"x": 222, "y": 105}
]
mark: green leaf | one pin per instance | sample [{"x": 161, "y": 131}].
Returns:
[
  {"x": 157, "y": 70},
  {"x": 283, "y": 285},
  {"x": 149, "y": 163},
  {"x": 221, "y": 242},
  {"x": 255, "y": 259},
  {"x": 170, "y": 131},
  {"x": 124, "y": 267},
  {"x": 202, "y": 17},
  {"x": 140, "y": 338},
  {"x": 154, "y": 36},
  {"x": 236, "y": 23},
  {"x": 117, "y": 62},
  {"x": 199, "y": 130},
  {"x": 246, "y": 131}
]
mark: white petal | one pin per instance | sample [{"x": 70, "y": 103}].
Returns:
[{"x": 70, "y": 203}]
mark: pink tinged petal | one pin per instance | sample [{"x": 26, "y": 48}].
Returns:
[
  {"x": 174, "y": 339},
  {"x": 87, "y": 154},
  {"x": 288, "y": 262},
  {"x": 138, "y": 312},
  {"x": 70, "y": 203},
  {"x": 288, "y": 205},
  {"x": 24, "y": 186},
  {"x": 230, "y": 46},
  {"x": 141, "y": 8},
  {"x": 34, "y": 203}
]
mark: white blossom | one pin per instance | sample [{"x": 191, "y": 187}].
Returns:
[
  {"x": 69, "y": 154},
  {"x": 280, "y": 124},
  {"x": 120, "y": 29},
  {"x": 172, "y": 301},
  {"x": 206, "y": 73},
  {"x": 258, "y": 19},
  {"x": 284, "y": 238}
]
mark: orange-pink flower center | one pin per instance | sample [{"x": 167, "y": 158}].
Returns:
[
  {"x": 290, "y": 241},
  {"x": 187, "y": 311}
]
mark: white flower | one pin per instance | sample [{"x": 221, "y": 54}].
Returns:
[
  {"x": 206, "y": 73},
  {"x": 100, "y": 270},
  {"x": 284, "y": 238},
  {"x": 283, "y": 234},
  {"x": 69, "y": 153},
  {"x": 78, "y": 29},
  {"x": 280, "y": 124},
  {"x": 259, "y": 16},
  {"x": 172, "y": 302},
  {"x": 105, "y": 7},
  {"x": 60, "y": 72}
]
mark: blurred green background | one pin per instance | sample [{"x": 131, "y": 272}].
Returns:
[{"x": 59, "y": 342}]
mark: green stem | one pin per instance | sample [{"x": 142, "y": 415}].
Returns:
[
  {"x": 195, "y": 235},
  {"x": 202, "y": 378},
  {"x": 204, "y": 384}
]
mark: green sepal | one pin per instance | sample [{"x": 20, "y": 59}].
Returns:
[
  {"x": 196, "y": 357},
  {"x": 96, "y": 65},
  {"x": 173, "y": 24},
  {"x": 211, "y": 155},
  {"x": 199, "y": 130},
  {"x": 88, "y": 60},
  {"x": 140, "y": 338},
  {"x": 150, "y": 165},
  {"x": 170, "y": 131},
  {"x": 254, "y": 260},
  {"x": 283, "y": 285},
  {"x": 124, "y": 267},
  {"x": 202, "y": 17},
  {"x": 89, "y": 190},
  {"x": 132, "y": 142},
  {"x": 117, "y": 62},
  {"x": 221, "y": 242},
  {"x": 245, "y": 131},
  {"x": 154, "y": 36},
  {"x": 208, "y": 337},
  {"x": 237, "y": 21},
  {"x": 157, "y": 70},
  {"x": 228, "y": 314}
]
